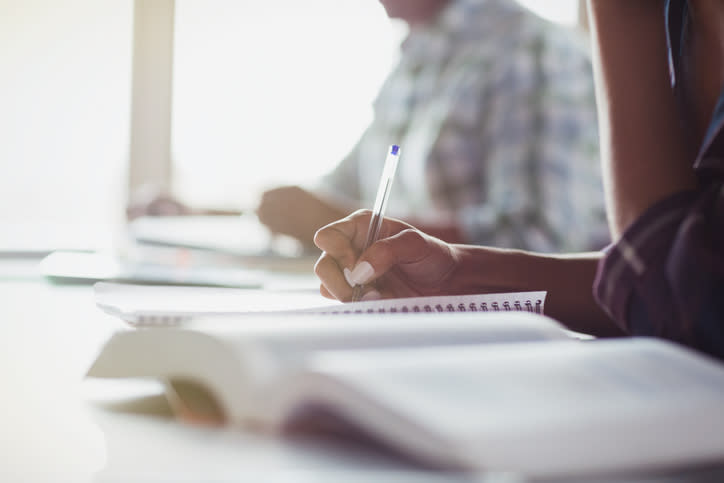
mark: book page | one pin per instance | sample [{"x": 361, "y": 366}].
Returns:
[
  {"x": 239, "y": 362},
  {"x": 286, "y": 341},
  {"x": 170, "y": 305},
  {"x": 545, "y": 409},
  {"x": 173, "y": 305}
]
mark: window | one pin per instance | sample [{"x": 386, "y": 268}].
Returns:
[
  {"x": 64, "y": 97},
  {"x": 278, "y": 92},
  {"x": 272, "y": 92},
  {"x": 264, "y": 92},
  {"x": 561, "y": 11}
]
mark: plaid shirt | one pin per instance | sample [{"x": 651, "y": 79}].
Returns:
[
  {"x": 494, "y": 111},
  {"x": 665, "y": 277}
]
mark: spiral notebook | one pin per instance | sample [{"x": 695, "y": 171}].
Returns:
[{"x": 143, "y": 305}]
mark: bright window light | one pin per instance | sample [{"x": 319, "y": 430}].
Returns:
[
  {"x": 561, "y": 11},
  {"x": 265, "y": 92},
  {"x": 278, "y": 92},
  {"x": 64, "y": 92},
  {"x": 272, "y": 92}
]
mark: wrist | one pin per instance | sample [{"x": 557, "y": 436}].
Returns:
[{"x": 484, "y": 269}]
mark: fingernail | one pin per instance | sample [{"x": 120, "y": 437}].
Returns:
[
  {"x": 361, "y": 273},
  {"x": 371, "y": 295},
  {"x": 348, "y": 276}
]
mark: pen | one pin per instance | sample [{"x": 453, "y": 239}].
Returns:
[{"x": 378, "y": 211}]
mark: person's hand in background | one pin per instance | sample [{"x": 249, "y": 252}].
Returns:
[
  {"x": 294, "y": 211},
  {"x": 153, "y": 201},
  {"x": 404, "y": 262}
]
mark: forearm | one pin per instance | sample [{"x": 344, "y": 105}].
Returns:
[
  {"x": 568, "y": 279},
  {"x": 643, "y": 148}
]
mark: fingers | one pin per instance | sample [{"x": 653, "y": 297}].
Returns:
[
  {"x": 340, "y": 242},
  {"x": 406, "y": 264},
  {"x": 348, "y": 235},
  {"x": 340, "y": 267},
  {"x": 332, "y": 278},
  {"x": 341, "y": 239},
  {"x": 409, "y": 247},
  {"x": 326, "y": 293}
]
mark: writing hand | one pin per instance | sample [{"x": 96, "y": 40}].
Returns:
[{"x": 403, "y": 262}]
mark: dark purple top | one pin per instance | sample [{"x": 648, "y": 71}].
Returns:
[{"x": 665, "y": 276}]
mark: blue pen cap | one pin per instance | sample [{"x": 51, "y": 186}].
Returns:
[{"x": 394, "y": 149}]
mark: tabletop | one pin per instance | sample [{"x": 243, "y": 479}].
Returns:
[{"x": 57, "y": 426}]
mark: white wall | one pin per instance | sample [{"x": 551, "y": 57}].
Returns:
[
  {"x": 64, "y": 96},
  {"x": 562, "y": 11},
  {"x": 265, "y": 92},
  {"x": 278, "y": 91},
  {"x": 271, "y": 92}
]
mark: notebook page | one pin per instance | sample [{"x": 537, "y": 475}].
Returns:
[{"x": 162, "y": 305}]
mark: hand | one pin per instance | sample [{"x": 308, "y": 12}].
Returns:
[
  {"x": 446, "y": 230},
  {"x": 293, "y": 211},
  {"x": 150, "y": 201},
  {"x": 404, "y": 262}
]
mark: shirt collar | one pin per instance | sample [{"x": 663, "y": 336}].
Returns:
[
  {"x": 675, "y": 16},
  {"x": 712, "y": 147},
  {"x": 455, "y": 21}
]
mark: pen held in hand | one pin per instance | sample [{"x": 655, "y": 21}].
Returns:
[{"x": 378, "y": 211}]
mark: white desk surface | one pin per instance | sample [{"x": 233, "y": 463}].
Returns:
[{"x": 54, "y": 426}]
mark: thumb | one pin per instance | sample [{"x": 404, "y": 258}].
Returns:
[{"x": 409, "y": 249}]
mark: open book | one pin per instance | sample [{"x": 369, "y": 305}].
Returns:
[
  {"x": 507, "y": 391},
  {"x": 143, "y": 305}
]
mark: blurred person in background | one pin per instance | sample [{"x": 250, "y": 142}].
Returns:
[
  {"x": 494, "y": 110},
  {"x": 660, "y": 75}
]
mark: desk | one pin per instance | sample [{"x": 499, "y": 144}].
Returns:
[{"x": 57, "y": 427}]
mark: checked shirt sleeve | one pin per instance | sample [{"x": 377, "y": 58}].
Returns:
[
  {"x": 543, "y": 189},
  {"x": 665, "y": 276}
]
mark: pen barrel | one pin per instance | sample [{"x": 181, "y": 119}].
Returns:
[
  {"x": 378, "y": 211},
  {"x": 383, "y": 195}
]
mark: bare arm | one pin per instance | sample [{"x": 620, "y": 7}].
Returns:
[
  {"x": 406, "y": 262},
  {"x": 567, "y": 278},
  {"x": 643, "y": 149}
]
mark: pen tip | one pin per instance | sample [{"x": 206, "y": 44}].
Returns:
[{"x": 395, "y": 149}]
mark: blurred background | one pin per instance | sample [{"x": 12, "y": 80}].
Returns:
[{"x": 264, "y": 92}]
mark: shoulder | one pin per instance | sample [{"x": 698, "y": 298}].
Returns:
[{"x": 514, "y": 30}]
